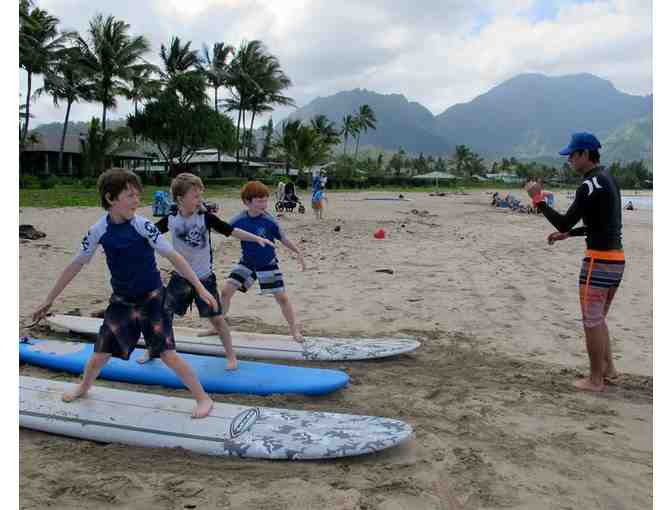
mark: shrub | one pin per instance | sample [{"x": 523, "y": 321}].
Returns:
[
  {"x": 49, "y": 182},
  {"x": 29, "y": 182},
  {"x": 88, "y": 182}
]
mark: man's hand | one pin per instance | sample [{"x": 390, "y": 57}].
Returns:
[
  {"x": 533, "y": 189},
  {"x": 557, "y": 236}
]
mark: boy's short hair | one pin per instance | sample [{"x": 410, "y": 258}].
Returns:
[
  {"x": 254, "y": 189},
  {"x": 183, "y": 182},
  {"x": 115, "y": 180}
]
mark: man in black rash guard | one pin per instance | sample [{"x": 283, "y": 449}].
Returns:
[{"x": 598, "y": 203}]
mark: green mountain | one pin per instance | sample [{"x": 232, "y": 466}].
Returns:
[
  {"x": 530, "y": 116},
  {"x": 401, "y": 123}
]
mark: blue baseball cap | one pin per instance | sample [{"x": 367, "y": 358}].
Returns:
[{"x": 580, "y": 142}]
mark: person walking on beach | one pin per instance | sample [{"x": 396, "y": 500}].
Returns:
[{"x": 598, "y": 203}]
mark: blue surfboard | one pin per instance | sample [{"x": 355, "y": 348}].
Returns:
[{"x": 251, "y": 377}]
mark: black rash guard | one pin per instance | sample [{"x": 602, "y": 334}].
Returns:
[{"x": 598, "y": 204}]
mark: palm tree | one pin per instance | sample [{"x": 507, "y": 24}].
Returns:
[
  {"x": 216, "y": 70},
  {"x": 326, "y": 129},
  {"x": 68, "y": 82},
  {"x": 366, "y": 120},
  {"x": 285, "y": 140},
  {"x": 256, "y": 83},
  {"x": 350, "y": 128},
  {"x": 141, "y": 86},
  {"x": 179, "y": 59},
  {"x": 39, "y": 47},
  {"x": 112, "y": 57}
]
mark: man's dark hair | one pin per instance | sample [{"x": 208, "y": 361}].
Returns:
[
  {"x": 114, "y": 181},
  {"x": 594, "y": 155}
]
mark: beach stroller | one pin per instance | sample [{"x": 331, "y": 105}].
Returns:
[
  {"x": 289, "y": 201},
  {"x": 162, "y": 203}
]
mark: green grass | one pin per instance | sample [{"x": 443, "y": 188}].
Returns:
[{"x": 78, "y": 196}]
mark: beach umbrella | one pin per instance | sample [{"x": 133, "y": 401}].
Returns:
[{"x": 435, "y": 176}]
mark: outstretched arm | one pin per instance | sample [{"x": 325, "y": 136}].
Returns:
[
  {"x": 292, "y": 247},
  {"x": 66, "y": 277},
  {"x": 244, "y": 235}
]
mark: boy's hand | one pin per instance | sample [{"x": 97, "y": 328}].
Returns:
[
  {"x": 302, "y": 262},
  {"x": 41, "y": 312},
  {"x": 208, "y": 298},
  {"x": 262, "y": 241}
]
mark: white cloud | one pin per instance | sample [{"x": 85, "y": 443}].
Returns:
[{"x": 437, "y": 53}]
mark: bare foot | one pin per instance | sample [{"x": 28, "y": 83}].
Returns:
[
  {"x": 203, "y": 408},
  {"x": 143, "y": 359},
  {"x": 585, "y": 384},
  {"x": 232, "y": 364},
  {"x": 298, "y": 337},
  {"x": 78, "y": 392},
  {"x": 209, "y": 332}
]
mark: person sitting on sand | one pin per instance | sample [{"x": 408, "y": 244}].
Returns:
[
  {"x": 629, "y": 206},
  {"x": 598, "y": 203},
  {"x": 260, "y": 262},
  {"x": 136, "y": 305},
  {"x": 190, "y": 227}
]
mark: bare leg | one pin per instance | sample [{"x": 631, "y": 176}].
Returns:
[
  {"x": 227, "y": 293},
  {"x": 93, "y": 367},
  {"x": 203, "y": 402},
  {"x": 288, "y": 312},
  {"x": 225, "y": 336},
  {"x": 596, "y": 342},
  {"x": 610, "y": 373}
]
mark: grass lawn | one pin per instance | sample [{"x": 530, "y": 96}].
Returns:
[{"x": 78, "y": 196}]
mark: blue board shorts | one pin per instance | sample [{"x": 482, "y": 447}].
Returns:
[
  {"x": 126, "y": 318},
  {"x": 270, "y": 278}
]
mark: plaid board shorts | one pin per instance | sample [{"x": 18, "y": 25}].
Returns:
[
  {"x": 270, "y": 278},
  {"x": 180, "y": 294},
  {"x": 126, "y": 318},
  {"x": 601, "y": 274}
]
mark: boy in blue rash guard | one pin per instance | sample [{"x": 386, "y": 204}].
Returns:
[
  {"x": 136, "y": 304},
  {"x": 260, "y": 262}
]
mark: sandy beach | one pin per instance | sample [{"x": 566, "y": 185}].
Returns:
[{"x": 489, "y": 394}]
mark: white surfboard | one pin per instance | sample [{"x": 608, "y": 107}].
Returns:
[
  {"x": 262, "y": 345},
  {"x": 140, "y": 419}
]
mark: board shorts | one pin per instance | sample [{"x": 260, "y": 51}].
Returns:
[
  {"x": 600, "y": 276},
  {"x": 316, "y": 205},
  {"x": 270, "y": 278},
  {"x": 125, "y": 318},
  {"x": 180, "y": 294}
]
